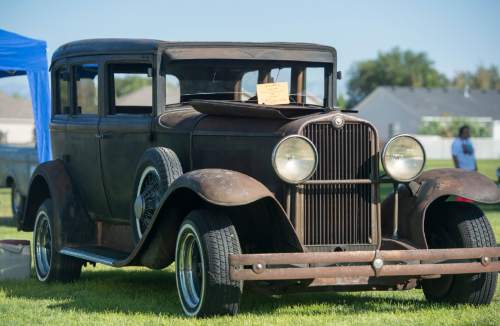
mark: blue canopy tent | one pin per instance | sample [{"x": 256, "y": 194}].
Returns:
[{"x": 20, "y": 55}]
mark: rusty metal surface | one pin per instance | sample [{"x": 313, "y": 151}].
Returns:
[
  {"x": 487, "y": 263},
  {"x": 223, "y": 187},
  {"x": 363, "y": 256},
  {"x": 344, "y": 271},
  {"x": 432, "y": 185},
  {"x": 216, "y": 186}
]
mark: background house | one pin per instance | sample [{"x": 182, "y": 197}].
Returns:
[
  {"x": 16, "y": 120},
  {"x": 434, "y": 114}
]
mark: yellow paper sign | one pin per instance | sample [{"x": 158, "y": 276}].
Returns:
[{"x": 273, "y": 93}]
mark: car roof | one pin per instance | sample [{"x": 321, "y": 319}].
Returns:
[{"x": 191, "y": 50}]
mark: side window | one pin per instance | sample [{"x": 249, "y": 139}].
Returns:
[
  {"x": 173, "y": 90},
  {"x": 62, "y": 99},
  {"x": 132, "y": 89},
  {"x": 86, "y": 78}
]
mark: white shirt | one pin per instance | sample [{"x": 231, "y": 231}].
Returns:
[{"x": 463, "y": 150}]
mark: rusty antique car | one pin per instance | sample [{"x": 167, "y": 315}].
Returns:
[{"x": 232, "y": 160}]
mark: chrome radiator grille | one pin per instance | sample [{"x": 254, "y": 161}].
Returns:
[{"x": 340, "y": 213}]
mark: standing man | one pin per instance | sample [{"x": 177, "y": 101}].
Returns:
[{"x": 463, "y": 151}]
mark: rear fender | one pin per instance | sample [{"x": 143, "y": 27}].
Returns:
[
  {"x": 432, "y": 187},
  {"x": 260, "y": 221},
  {"x": 51, "y": 180}
]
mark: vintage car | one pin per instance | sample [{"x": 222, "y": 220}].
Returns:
[{"x": 232, "y": 160}]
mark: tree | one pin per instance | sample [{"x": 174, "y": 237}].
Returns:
[
  {"x": 341, "y": 102},
  {"x": 483, "y": 78},
  {"x": 130, "y": 84},
  {"x": 393, "y": 68}
]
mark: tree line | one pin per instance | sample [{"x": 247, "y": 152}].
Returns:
[{"x": 413, "y": 69}]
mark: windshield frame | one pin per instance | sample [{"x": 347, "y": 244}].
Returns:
[{"x": 329, "y": 80}]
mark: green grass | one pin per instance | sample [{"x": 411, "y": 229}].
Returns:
[{"x": 137, "y": 296}]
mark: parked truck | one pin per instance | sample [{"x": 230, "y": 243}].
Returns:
[{"x": 16, "y": 166}]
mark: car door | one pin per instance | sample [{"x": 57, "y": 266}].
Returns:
[
  {"x": 60, "y": 108},
  {"x": 82, "y": 142},
  {"x": 125, "y": 130}
]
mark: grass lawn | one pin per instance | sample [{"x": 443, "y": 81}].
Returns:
[{"x": 138, "y": 296}]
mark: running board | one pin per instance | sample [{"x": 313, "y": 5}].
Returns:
[{"x": 101, "y": 255}]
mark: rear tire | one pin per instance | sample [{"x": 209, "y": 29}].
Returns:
[
  {"x": 204, "y": 242},
  {"x": 49, "y": 264},
  {"x": 17, "y": 201},
  {"x": 460, "y": 225}
]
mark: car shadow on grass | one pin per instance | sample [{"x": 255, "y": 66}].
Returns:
[{"x": 154, "y": 292}]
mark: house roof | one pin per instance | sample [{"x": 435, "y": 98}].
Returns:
[
  {"x": 15, "y": 108},
  {"x": 420, "y": 102}
]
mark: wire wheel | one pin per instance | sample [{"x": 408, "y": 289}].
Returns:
[
  {"x": 190, "y": 270},
  {"x": 147, "y": 198},
  {"x": 43, "y": 245}
]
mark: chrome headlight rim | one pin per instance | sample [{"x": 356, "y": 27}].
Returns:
[
  {"x": 386, "y": 146},
  {"x": 273, "y": 159}
]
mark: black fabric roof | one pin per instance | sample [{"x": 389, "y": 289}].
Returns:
[{"x": 188, "y": 50}]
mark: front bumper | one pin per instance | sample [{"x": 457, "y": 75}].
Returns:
[{"x": 412, "y": 263}]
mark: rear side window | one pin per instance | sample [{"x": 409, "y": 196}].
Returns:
[
  {"x": 86, "y": 78},
  {"x": 132, "y": 91},
  {"x": 62, "y": 87}
]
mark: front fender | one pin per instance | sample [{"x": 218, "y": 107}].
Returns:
[
  {"x": 243, "y": 198},
  {"x": 431, "y": 186},
  {"x": 221, "y": 187}
]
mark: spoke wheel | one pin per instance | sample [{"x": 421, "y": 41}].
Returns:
[
  {"x": 147, "y": 198},
  {"x": 156, "y": 171}
]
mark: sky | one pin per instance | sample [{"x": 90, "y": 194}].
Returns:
[{"x": 457, "y": 35}]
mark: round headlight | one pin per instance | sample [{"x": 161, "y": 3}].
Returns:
[
  {"x": 403, "y": 158},
  {"x": 295, "y": 159}
]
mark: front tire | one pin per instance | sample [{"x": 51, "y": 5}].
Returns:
[
  {"x": 49, "y": 264},
  {"x": 204, "y": 242},
  {"x": 460, "y": 225}
]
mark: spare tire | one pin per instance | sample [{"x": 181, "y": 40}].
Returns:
[{"x": 157, "y": 169}]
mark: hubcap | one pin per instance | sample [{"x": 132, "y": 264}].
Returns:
[
  {"x": 139, "y": 206},
  {"x": 43, "y": 245},
  {"x": 147, "y": 198},
  {"x": 190, "y": 270}
]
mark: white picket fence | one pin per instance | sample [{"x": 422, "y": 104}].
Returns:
[{"x": 437, "y": 147}]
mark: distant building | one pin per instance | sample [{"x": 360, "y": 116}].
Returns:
[
  {"x": 396, "y": 110},
  {"x": 16, "y": 120}
]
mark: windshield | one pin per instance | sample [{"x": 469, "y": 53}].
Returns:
[{"x": 237, "y": 80}]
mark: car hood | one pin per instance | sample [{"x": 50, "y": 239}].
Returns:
[{"x": 254, "y": 110}]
